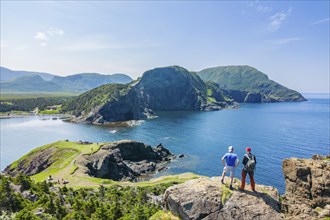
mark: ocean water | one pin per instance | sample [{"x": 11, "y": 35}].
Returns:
[{"x": 274, "y": 131}]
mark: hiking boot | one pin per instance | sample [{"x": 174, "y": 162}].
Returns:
[
  {"x": 231, "y": 188},
  {"x": 240, "y": 189}
]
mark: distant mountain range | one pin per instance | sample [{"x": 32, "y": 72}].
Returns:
[
  {"x": 23, "y": 81},
  {"x": 7, "y": 74}
]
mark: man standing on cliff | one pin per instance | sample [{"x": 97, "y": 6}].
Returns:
[
  {"x": 249, "y": 164},
  {"x": 230, "y": 161}
]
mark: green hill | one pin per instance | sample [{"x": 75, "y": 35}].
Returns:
[
  {"x": 7, "y": 74},
  {"x": 250, "y": 80},
  {"x": 86, "y": 81},
  {"x": 32, "y": 83}
]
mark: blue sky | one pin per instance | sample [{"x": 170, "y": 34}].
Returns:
[{"x": 287, "y": 40}]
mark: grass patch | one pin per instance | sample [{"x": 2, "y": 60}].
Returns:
[
  {"x": 164, "y": 215},
  {"x": 226, "y": 194},
  {"x": 209, "y": 92},
  {"x": 63, "y": 154},
  {"x": 73, "y": 168},
  {"x": 27, "y": 95},
  {"x": 211, "y": 99},
  {"x": 63, "y": 159},
  {"x": 50, "y": 112}
]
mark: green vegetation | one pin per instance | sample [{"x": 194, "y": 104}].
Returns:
[
  {"x": 211, "y": 99},
  {"x": 95, "y": 97},
  {"x": 10, "y": 103},
  {"x": 209, "y": 92},
  {"x": 226, "y": 194},
  {"x": 113, "y": 202},
  {"x": 61, "y": 157},
  {"x": 164, "y": 215},
  {"x": 56, "y": 109},
  {"x": 246, "y": 78}
]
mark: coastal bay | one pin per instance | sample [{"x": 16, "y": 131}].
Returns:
[{"x": 274, "y": 131}]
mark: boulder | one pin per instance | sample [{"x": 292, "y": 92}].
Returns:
[{"x": 206, "y": 198}]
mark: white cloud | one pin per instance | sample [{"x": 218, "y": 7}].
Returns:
[
  {"x": 286, "y": 40},
  {"x": 259, "y": 8},
  {"x": 320, "y": 21},
  {"x": 277, "y": 20},
  {"x": 55, "y": 32},
  {"x": 43, "y": 37}
]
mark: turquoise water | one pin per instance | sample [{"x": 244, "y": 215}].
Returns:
[{"x": 274, "y": 131}]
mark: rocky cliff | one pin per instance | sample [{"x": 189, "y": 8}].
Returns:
[
  {"x": 307, "y": 195},
  {"x": 161, "y": 89},
  {"x": 125, "y": 160}
]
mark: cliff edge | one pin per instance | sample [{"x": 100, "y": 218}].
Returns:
[{"x": 307, "y": 195}]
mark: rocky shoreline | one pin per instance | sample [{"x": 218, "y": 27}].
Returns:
[{"x": 124, "y": 160}]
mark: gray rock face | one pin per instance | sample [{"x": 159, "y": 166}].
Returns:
[
  {"x": 126, "y": 160},
  {"x": 244, "y": 96},
  {"x": 128, "y": 107},
  {"x": 171, "y": 88},
  {"x": 207, "y": 198},
  {"x": 307, "y": 192},
  {"x": 253, "y": 98}
]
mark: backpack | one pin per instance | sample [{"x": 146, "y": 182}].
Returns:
[{"x": 251, "y": 164}]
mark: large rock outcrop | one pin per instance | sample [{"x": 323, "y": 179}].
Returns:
[
  {"x": 208, "y": 199},
  {"x": 162, "y": 89},
  {"x": 120, "y": 161},
  {"x": 125, "y": 160},
  {"x": 172, "y": 88},
  {"x": 307, "y": 194}
]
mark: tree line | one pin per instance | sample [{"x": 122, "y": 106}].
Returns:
[
  {"x": 30, "y": 104},
  {"x": 21, "y": 198}
]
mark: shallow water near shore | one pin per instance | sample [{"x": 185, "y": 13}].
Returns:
[{"x": 274, "y": 131}]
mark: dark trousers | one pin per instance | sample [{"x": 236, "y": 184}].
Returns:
[{"x": 251, "y": 179}]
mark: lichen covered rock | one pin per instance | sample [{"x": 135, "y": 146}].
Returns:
[{"x": 207, "y": 198}]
